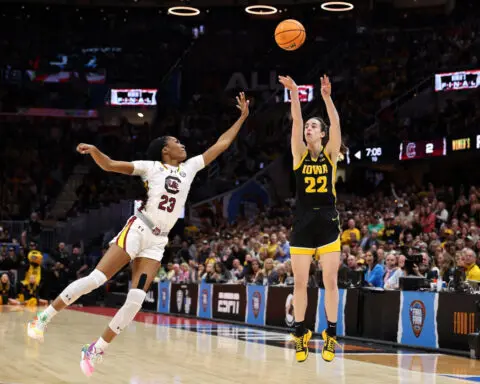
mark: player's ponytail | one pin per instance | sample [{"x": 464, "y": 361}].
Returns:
[{"x": 154, "y": 151}]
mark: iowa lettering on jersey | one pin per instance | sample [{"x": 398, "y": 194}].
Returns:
[{"x": 314, "y": 169}]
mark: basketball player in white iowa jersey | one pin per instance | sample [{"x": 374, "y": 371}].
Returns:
[{"x": 144, "y": 237}]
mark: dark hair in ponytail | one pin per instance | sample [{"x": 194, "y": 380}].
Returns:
[
  {"x": 154, "y": 151},
  {"x": 325, "y": 128}
]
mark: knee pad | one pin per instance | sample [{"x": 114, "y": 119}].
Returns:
[
  {"x": 127, "y": 313},
  {"x": 83, "y": 286}
]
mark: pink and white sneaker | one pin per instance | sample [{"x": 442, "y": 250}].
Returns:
[
  {"x": 36, "y": 328},
  {"x": 90, "y": 357}
]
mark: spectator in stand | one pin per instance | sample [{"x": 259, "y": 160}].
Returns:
[
  {"x": 394, "y": 281},
  {"x": 268, "y": 271},
  {"x": 347, "y": 237},
  {"x": 283, "y": 253},
  {"x": 445, "y": 263},
  {"x": 7, "y": 291},
  {"x": 441, "y": 214},
  {"x": 375, "y": 272},
  {"x": 472, "y": 270},
  {"x": 390, "y": 267},
  {"x": 254, "y": 274},
  {"x": 222, "y": 274},
  {"x": 237, "y": 271}
]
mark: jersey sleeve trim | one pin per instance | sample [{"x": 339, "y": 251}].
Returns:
[
  {"x": 329, "y": 159},
  {"x": 296, "y": 166}
]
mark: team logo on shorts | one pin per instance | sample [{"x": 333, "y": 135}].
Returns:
[
  {"x": 183, "y": 174},
  {"x": 172, "y": 184},
  {"x": 411, "y": 150},
  {"x": 256, "y": 302},
  {"x": 204, "y": 300},
  {"x": 417, "y": 316}
]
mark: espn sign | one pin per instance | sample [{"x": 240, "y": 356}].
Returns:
[
  {"x": 228, "y": 302},
  {"x": 305, "y": 94}
]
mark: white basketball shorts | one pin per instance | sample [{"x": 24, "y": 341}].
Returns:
[{"x": 138, "y": 240}]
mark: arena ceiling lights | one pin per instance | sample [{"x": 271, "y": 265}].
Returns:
[
  {"x": 337, "y": 6},
  {"x": 183, "y": 11},
  {"x": 261, "y": 10}
]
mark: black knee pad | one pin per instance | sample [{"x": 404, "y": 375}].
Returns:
[{"x": 142, "y": 281}]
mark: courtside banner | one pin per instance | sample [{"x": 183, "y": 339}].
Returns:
[
  {"x": 458, "y": 317},
  {"x": 280, "y": 307},
  {"x": 417, "y": 323},
  {"x": 321, "y": 321},
  {"x": 184, "y": 299},
  {"x": 256, "y": 304},
  {"x": 205, "y": 300},
  {"x": 151, "y": 300},
  {"x": 164, "y": 297},
  {"x": 229, "y": 302}
]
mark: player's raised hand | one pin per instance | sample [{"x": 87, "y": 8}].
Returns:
[
  {"x": 85, "y": 149},
  {"x": 326, "y": 86},
  {"x": 288, "y": 82},
  {"x": 243, "y": 104}
]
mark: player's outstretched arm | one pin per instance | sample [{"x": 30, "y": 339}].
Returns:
[
  {"x": 227, "y": 138},
  {"x": 298, "y": 145},
  {"x": 335, "y": 139},
  {"x": 104, "y": 162}
]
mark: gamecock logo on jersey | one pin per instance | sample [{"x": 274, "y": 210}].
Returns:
[
  {"x": 417, "y": 316},
  {"x": 172, "y": 184}
]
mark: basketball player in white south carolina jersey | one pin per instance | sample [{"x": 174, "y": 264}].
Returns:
[{"x": 143, "y": 239}]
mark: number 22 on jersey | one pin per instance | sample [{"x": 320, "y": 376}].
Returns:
[{"x": 316, "y": 184}]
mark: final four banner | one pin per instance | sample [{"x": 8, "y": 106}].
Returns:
[
  {"x": 256, "y": 304},
  {"x": 205, "y": 300},
  {"x": 417, "y": 324},
  {"x": 164, "y": 297},
  {"x": 321, "y": 321}
]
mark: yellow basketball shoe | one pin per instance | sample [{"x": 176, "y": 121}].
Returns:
[
  {"x": 329, "y": 344},
  {"x": 301, "y": 345}
]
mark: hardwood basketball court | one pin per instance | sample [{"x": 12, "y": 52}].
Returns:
[{"x": 159, "y": 349}]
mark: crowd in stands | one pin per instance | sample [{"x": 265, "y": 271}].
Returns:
[{"x": 431, "y": 232}]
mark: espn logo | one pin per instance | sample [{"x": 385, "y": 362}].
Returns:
[
  {"x": 463, "y": 323},
  {"x": 228, "y": 302}
]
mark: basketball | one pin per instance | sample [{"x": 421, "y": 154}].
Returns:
[{"x": 290, "y": 35}]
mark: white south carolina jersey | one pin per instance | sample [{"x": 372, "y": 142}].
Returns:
[{"x": 167, "y": 188}]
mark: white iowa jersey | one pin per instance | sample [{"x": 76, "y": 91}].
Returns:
[{"x": 167, "y": 188}]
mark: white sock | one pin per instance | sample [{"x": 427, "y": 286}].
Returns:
[
  {"x": 48, "y": 314},
  {"x": 101, "y": 345}
]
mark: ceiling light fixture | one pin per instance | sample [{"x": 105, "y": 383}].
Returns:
[
  {"x": 261, "y": 10},
  {"x": 337, "y": 6},
  {"x": 183, "y": 11},
  {"x": 140, "y": 114}
]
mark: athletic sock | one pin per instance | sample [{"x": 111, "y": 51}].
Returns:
[
  {"x": 47, "y": 314},
  {"x": 101, "y": 345},
  {"x": 332, "y": 329},
  {"x": 299, "y": 328}
]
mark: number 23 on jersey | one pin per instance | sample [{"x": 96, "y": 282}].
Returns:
[
  {"x": 167, "y": 203},
  {"x": 316, "y": 184}
]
